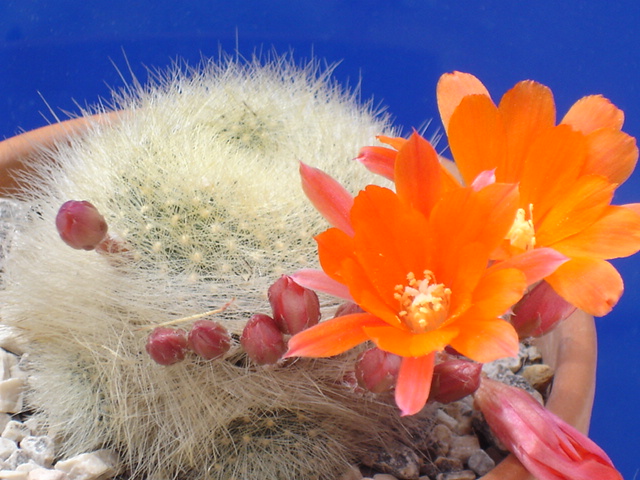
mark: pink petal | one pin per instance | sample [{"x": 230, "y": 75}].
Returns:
[
  {"x": 330, "y": 198},
  {"x": 318, "y": 280},
  {"x": 483, "y": 179},
  {"x": 379, "y": 160},
  {"x": 414, "y": 383},
  {"x": 536, "y": 264}
]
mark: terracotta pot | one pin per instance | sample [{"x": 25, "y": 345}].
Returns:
[{"x": 570, "y": 348}]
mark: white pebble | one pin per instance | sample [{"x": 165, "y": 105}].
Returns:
[
  {"x": 15, "y": 431},
  {"x": 39, "y": 449},
  {"x": 13, "y": 475},
  {"x": 7, "y": 447},
  {"x": 7, "y": 362},
  {"x": 47, "y": 474},
  {"x": 90, "y": 466},
  {"x": 463, "y": 447},
  {"x": 481, "y": 463},
  {"x": 11, "y": 393}
]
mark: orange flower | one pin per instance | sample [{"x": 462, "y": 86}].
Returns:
[
  {"x": 566, "y": 173},
  {"x": 416, "y": 262}
]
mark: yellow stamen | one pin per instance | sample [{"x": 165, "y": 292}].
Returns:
[
  {"x": 522, "y": 233},
  {"x": 424, "y": 303}
]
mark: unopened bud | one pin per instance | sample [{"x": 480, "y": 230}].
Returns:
[
  {"x": 540, "y": 311},
  {"x": 209, "y": 339},
  {"x": 295, "y": 308},
  {"x": 262, "y": 340},
  {"x": 377, "y": 370},
  {"x": 167, "y": 346},
  {"x": 454, "y": 379},
  {"x": 347, "y": 308},
  {"x": 80, "y": 225}
]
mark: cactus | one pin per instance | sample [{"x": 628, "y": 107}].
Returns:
[{"x": 198, "y": 182}]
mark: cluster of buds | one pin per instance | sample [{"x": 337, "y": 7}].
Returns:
[
  {"x": 81, "y": 226},
  {"x": 453, "y": 378},
  {"x": 206, "y": 338},
  {"x": 294, "y": 308}
]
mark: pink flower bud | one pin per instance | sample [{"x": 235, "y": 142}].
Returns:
[
  {"x": 262, "y": 340},
  {"x": 454, "y": 379},
  {"x": 377, "y": 370},
  {"x": 80, "y": 225},
  {"x": 209, "y": 339},
  {"x": 294, "y": 307},
  {"x": 540, "y": 311},
  {"x": 347, "y": 308},
  {"x": 548, "y": 447},
  {"x": 167, "y": 346}
]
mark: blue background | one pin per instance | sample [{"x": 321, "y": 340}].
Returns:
[{"x": 62, "y": 53}]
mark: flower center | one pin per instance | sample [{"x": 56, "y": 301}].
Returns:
[
  {"x": 424, "y": 303},
  {"x": 522, "y": 234}
]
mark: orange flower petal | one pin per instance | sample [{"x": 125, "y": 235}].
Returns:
[
  {"x": 390, "y": 240},
  {"x": 611, "y": 153},
  {"x": 394, "y": 142},
  {"x": 417, "y": 174},
  {"x": 616, "y": 234},
  {"x": 405, "y": 343},
  {"x": 592, "y": 285},
  {"x": 559, "y": 154},
  {"x": 593, "y": 112},
  {"x": 498, "y": 291},
  {"x": 527, "y": 110},
  {"x": 485, "y": 340},
  {"x": 334, "y": 246},
  {"x": 582, "y": 203},
  {"x": 414, "y": 383},
  {"x": 452, "y": 88},
  {"x": 465, "y": 216},
  {"x": 477, "y": 137},
  {"x": 332, "y": 337}
]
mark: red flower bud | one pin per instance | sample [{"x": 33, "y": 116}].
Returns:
[
  {"x": 548, "y": 447},
  {"x": 540, "y": 311},
  {"x": 377, "y": 370},
  {"x": 209, "y": 339},
  {"x": 262, "y": 340},
  {"x": 167, "y": 346},
  {"x": 80, "y": 225},
  {"x": 454, "y": 379},
  {"x": 295, "y": 308}
]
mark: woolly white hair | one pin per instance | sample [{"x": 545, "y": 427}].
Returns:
[{"x": 199, "y": 178}]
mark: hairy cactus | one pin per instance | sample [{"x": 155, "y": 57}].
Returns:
[{"x": 198, "y": 182}]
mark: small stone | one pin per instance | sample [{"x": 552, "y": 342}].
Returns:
[
  {"x": 384, "y": 476},
  {"x": 353, "y": 473},
  {"x": 97, "y": 465},
  {"x": 513, "y": 364},
  {"x": 448, "y": 464},
  {"x": 481, "y": 463},
  {"x": 7, "y": 362},
  {"x": 18, "y": 457},
  {"x": 11, "y": 395},
  {"x": 40, "y": 449},
  {"x": 7, "y": 447},
  {"x": 399, "y": 461},
  {"x": 424, "y": 477},
  {"x": 13, "y": 475},
  {"x": 531, "y": 353},
  {"x": 27, "y": 466},
  {"x": 463, "y": 447},
  {"x": 46, "y": 474},
  {"x": 539, "y": 376},
  {"x": 462, "y": 412},
  {"x": 15, "y": 431},
  {"x": 444, "y": 418},
  {"x": 441, "y": 436},
  {"x": 461, "y": 475}
]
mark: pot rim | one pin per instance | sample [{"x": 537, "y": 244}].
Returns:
[{"x": 571, "y": 348}]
